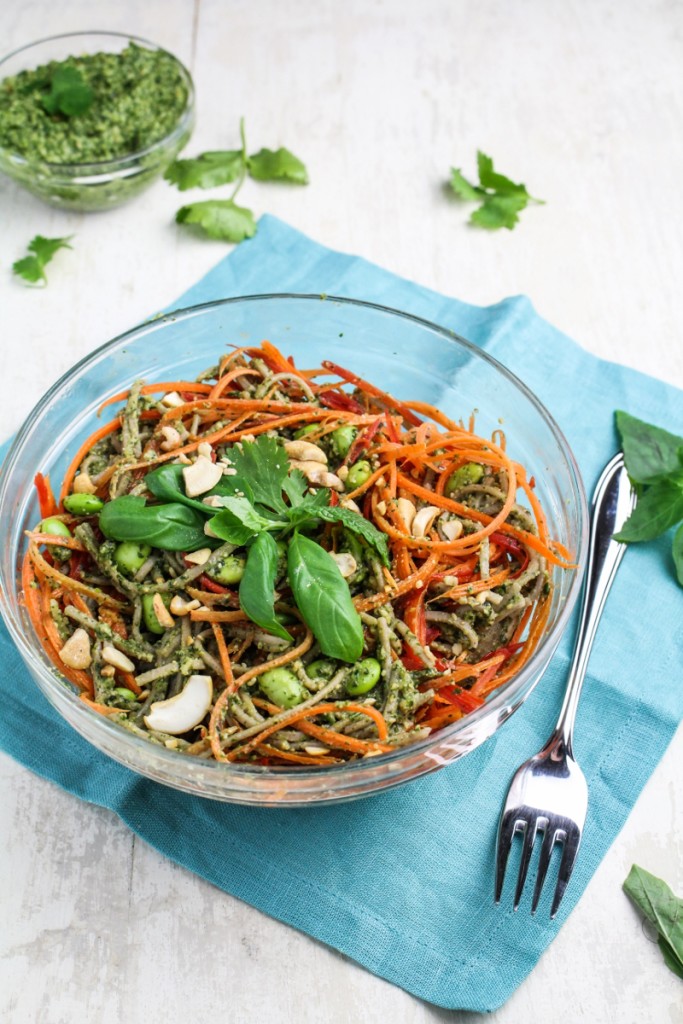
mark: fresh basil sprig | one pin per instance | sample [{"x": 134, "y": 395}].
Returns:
[
  {"x": 324, "y": 599},
  {"x": 257, "y": 589},
  {"x": 171, "y": 527},
  {"x": 663, "y": 909},
  {"x": 654, "y": 462}
]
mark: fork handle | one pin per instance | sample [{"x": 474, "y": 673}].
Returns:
[{"x": 613, "y": 501}]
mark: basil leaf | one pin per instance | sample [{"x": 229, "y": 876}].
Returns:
[
  {"x": 257, "y": 588},
  {"x": 323, "y": 597},
  {"x": 168, "y": 484},
  {"x": 359, "y": 525},
  {"x": 650, "y": 453},
  {"x": 663, "y": 909},
  {"x": 659, "y": 508},
  {"x": 238, "y": 521},
  {"x": 677, "y": 552},
  {"x": 172, "y": 527}
]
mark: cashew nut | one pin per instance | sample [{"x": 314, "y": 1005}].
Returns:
[
  {"x": 162, "y": 613},
  {"x": 179, "y": 606},
  {"x": 305, "y": 451},
  {"x": 199, "y": 557},
  {"x": 172, "y": 400},
  {"x": 452, "y": 529},
  {"x": 171, "y": 439},
  {"x": 316, "y": 473},
  {"x": 180, "y": 713},
  {"x": 76, "y": 651},
  {"x": 406, "y": 510},
  {"x": 424, "y": 518},
  {"x": 83, "y": 484},
  {"x": 201, "y": 476},
  {"x": 346, "y": 563},
  {"x": 117, "y": 659}
]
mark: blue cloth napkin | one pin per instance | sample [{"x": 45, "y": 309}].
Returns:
[{"x": 403, "y": 882}]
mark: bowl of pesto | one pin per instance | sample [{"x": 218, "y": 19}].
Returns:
[{"x": 90, "y": 119}]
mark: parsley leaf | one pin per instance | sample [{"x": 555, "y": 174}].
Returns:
[
  {"x": 32, "y": 268},
  {"x": 69, "y": 93},
  {"x": 277, "y": 165},
  {"x": 219, "y": 218},
  {"x": 218, "y": 167},
  {"x": 501, "y": 198}
]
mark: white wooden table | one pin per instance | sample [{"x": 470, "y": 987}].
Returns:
[{"x": 581, "y": 100}]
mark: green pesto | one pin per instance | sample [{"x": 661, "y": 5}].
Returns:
[{"x": 139, "y": 97}]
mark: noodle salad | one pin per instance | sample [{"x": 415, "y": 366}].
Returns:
[{"x": 287, "y": 567}]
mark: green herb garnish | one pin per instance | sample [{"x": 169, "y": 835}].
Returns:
[
  {"x": 69, "y": 92},
  {"x": 32, "y": 267},
  {"x": 501, "y": 200},
  {"x": 654, "y": 462},
  {"x": 261, "y": 503},
  {"x": 222, "y": 218},
  {"x": 663, "y": 909}
]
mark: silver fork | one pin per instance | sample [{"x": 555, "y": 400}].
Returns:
[{"x": 548, "y": 793}]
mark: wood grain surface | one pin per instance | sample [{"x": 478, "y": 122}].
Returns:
[{"x": 581, "y": 100}]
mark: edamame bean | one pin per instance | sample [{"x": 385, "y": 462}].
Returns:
[
  {"x": 308, "y": 429},
  {"x": 470, "y": 473},
  {"x": 149, "y": 615},
  {"x": 56, "y": 528},
  {"x": 130, "y": 556},
  {"x": 122, "y": 691},
  {"x": 321, "y": 668},
  {"x": 230, "y": 571},
  {"x": 83, "y": 504},
  {"x": 363, "y": 677},
  {"x": 359, "y": 473},
  {"x": 283, "y": 688},
  {"x": 342, "y": 439}
]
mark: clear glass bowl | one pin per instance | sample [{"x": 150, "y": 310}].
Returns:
[
  {"x": 409, "y": 357},
  {"x": 106, "y": 184}
]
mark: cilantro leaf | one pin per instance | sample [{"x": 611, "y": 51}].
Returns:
[
  {"x": 264, "y": 465},
  {"x": 462, "y": 187},
  {"x": 32, "y": 268},
  {"x": 359, "y": 525},
  {"x": 217, "y": 167},
  {"x": 69, "y": 93},
  {"x": 501, "y": 198},
  {"x": 277, "y": 165},
  {"x": 499, "y": 211},
  {"x": 295, "y": 487},
  {"x": 219, "y": 218},
  {"x": 238, "y": 521}
]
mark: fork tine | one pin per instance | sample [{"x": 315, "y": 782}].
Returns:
[
  {"x": 506, "y": 831},
  {"x": 530, "y": 832},
  {"x": 569, "y": 852},
  {"x": 549, "y": 837}
]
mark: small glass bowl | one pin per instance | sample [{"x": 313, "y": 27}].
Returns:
[
  {"x": 410, "y": 358},
  {"x": 105, "y": 184}
]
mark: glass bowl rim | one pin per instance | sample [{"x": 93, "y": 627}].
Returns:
[
  {"x": 103, "y": 167},
  {"x": 61, "y": 687}
]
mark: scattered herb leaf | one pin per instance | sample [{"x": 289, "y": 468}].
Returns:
[
  {"x": 69, "y": 92},
  {"x": 501, "y": 199},
  {"x": 32, "y": 268},
  {"x": 219, "y": 218},
  {"x": 218, "y": 167},
  {"x": 663, "y": 909},
  {"x": 359, "y": 525},
  {"x": 277, "y": 165},
  {"x": 171, "y": 527},
  {"x": 654, "y": 462}
]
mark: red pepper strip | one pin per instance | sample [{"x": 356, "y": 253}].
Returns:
[
  {"x": 209, "y": 584},
  {"x": 334, "y": 499},
  {"x": 392, "y": 430},
  {"x": 370, "y": 389},
  {"x": 363, "y": 440},
  {"x": 462, "y": 699},
  {"x": 340, "y": 400},
  {"x": 512, "y": 545},
  {"x": 46, "y": 499},
  {"x": 410, "y": 659}
]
